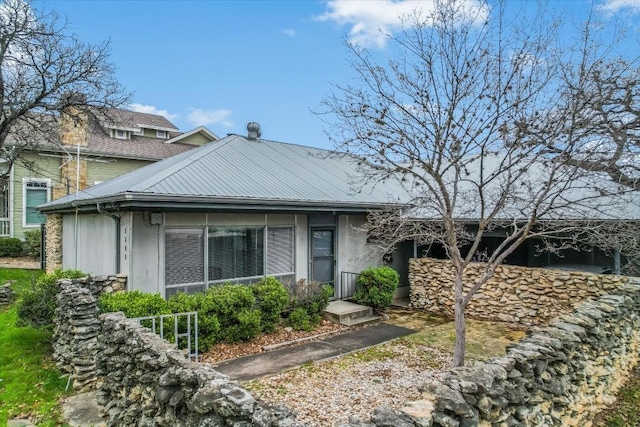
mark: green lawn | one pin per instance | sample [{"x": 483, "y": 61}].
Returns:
[{"x": 30, "y": 385}]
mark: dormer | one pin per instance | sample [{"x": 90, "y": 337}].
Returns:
[
  {"x": 119, "y": 131},
  {"x": 127, "y": 125}
]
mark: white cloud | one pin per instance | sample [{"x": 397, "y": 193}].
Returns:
[
  {"x": 150, "y": 109},
  {"x": 289, "y": 32},
  {"x": 372, "y": 21},
  {"x": 617, "y": 5},
  {"x": 200, "y": 117}
]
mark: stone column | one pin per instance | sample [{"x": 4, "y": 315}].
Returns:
[{"x": 53, "y": 249}]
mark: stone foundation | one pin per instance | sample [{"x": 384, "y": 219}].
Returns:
[{"x": 521, "y": 295}]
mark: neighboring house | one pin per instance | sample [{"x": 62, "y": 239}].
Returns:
[
  {"x": 234, "y": 210},
  {"x": 94, "y": 147}
]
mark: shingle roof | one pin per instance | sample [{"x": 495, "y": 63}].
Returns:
[
  {"x": 133, "y": 119},
  {"x": 236, "y": 170},
  {"x": 101, "y": 144}
]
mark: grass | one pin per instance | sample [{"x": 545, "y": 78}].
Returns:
[
  {"x": 626, "y": 409},
  {"x": 485, "y": 339},
  {"x": 30, "y": 385}
]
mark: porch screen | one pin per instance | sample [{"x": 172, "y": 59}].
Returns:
[{"x": 184, "y": 256}]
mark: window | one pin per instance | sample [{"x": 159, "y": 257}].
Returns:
[
  {"x": 120, "y": 134},
  {"x": 280, "y": 254},
  {"x": 184, "y": 256},
  {"x": 36, "y": 192},
  {"x": 161, "y": 134},
  {"x": 138, "y": 132},
  {"x": 233, "y": 255},
  {"x": 236, "y": 253}
]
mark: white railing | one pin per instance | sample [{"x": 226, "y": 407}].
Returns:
[
  {"x": 159, "y": 326},
  {"x": 5, "y": 227}
]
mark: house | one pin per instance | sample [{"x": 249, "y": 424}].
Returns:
[
  {"x": 233, "y": 210},
  {"x": 94, "y": 146}
]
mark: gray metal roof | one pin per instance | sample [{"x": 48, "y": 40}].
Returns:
[{"x": 236, "y": 171}]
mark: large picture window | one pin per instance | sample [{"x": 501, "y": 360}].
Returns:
[
  {"x": 36, "y": 192},
  {"x": 228, "y": 255},
  {"x": 236, "y": 253}
]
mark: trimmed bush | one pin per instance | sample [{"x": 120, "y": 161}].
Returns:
[
  {"x": 10, "y": 246},
  {"x": 300, "y": 320},
  {"x": 38, "y": 304},
  {"x": 376, "y": 286},
  {"x": 134, "y": 304},
  {"x": 271, "y": 299},
  {"x": 312, "y": 298},
  {"x": 234, "y": 306},
  {"x": 33, "y": 240},
  {"x": 208, "y": 323}
]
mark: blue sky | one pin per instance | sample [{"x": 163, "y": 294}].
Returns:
[{"x": 224, "y": 63}]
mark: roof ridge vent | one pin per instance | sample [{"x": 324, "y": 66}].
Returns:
[{"x": 253, "y": 131}]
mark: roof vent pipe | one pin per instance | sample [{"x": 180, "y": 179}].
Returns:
[{"x": 253, "y": 130}]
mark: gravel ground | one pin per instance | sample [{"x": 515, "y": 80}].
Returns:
[
  {"x": 329, "y": 393},
  {"x": 20, "y": 262}
]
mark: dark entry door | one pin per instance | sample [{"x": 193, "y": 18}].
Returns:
[{"x": 323, "y": 255}]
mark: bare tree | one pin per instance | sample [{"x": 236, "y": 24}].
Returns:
[
  {"x": 45, "y": 70},
  {"x": 468, "y": 117}
]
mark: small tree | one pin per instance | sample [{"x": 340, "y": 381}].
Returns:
[
  {"x": 43, "y": 71},
  {"x": 469, "y": 118}
]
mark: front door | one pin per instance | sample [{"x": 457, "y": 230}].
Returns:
[{"x": 323, "y": 255}]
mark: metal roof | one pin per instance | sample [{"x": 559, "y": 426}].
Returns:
[{"x": 236, "y": 171}]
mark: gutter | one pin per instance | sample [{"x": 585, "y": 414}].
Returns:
[{"x": 116, "y": 218}]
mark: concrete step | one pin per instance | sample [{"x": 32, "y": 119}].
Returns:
[{"x": 348, "y": 313}]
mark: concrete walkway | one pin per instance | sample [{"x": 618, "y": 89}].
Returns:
[{"x": 271, "y": 362}]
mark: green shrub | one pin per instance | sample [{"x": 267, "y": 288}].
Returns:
[
  {"x": 37, "y": 305},
  {"x": 271, "y": 299},
  {"x": 225, "y": 313},
  {"x": 208, "y": 324},
  {"x": 10, "y": 246},
  {"x": 300, "y": 320},
  {"x": 376, "y": 286},
  {"x": 234, "y": 306},
  {"x": 33, "y": 239},
  {"x": 134, "y": 304},
  {"x": 312, "y": 298}
]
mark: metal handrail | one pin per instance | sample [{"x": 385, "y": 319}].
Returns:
[
  {"x": 348, "y": 284},
  {"x": 192, "y": 324}
]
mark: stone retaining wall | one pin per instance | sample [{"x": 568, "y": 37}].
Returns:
[
  {"x": 76, "y": 326},
  {"x": 558, "y": 375},
  {"x": 6, "y": 295},
  {"x": 521, "y": 295},
  {"x": 146, "y": 382}
]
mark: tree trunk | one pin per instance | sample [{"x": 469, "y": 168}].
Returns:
[{"x": 461, "y": 331}]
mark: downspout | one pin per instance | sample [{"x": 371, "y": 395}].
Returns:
[{"x": 116, "y": 218}]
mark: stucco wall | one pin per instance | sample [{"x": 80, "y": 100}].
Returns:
[{"x": 521, "y": 295}]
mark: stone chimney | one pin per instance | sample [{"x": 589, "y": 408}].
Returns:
[
  {"x": 74, "y": 132},
  {"x": 253, "y": 130}
]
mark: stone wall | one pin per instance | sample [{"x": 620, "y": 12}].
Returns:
[
  {"x": 75, "y": 340},
  {"x": 53, "y": 247},
  {"x": 141, "y": 379},
  {"x": 558, "y": 375},
  {"x": 6, "y": 295},
  {"x": 521, "y": 295},
  {"x": 147, "y": 381}
]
